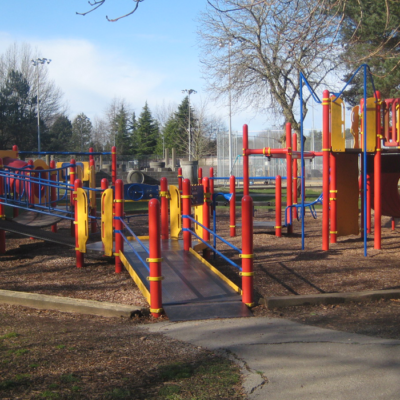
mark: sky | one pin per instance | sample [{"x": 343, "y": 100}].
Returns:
[{"x": 150, "y": 56}]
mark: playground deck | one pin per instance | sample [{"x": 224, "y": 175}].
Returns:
[{"x": 190, "y": 290}]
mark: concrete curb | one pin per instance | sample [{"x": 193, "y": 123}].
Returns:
[
  {"x": 67, "y": 304},
  {"x": 328, "y": 298}
]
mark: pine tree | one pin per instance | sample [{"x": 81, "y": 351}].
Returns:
[
  {"x": 147, "y": 134},
  {"x": 60, "y": 134},
  {"x": 364, "y": 29},
  {"x": 18, "y": 120},
  {"x": 176, "y": 129},
  {"x": 122, "y": 137},
  {"x": 81, "y": 133}
]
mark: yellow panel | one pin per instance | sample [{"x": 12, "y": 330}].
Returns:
[
  {"x": 107, "y": 221},
  {"x": 371, "y": 125},
  {"x": 92, "y": 184},
  {"x": 85, "y": 170},
  {"x": 338, "y": 134},
  {"x": 347, "y": 194},
  {"x": 79, "y": 173},
  {"x": 135, "y": 277},
  {"x": 198, "y": 216},
  {"x": 175, "y": 212},
  {"x": 355, "y": 123},
  {"x": 8, "y": 153},
  {"x": 83, "y": 219}
]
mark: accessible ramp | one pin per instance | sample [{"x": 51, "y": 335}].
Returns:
[{"x": 190, "y": 289}]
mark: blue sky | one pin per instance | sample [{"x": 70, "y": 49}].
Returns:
[{"x": 150, "y": 56}]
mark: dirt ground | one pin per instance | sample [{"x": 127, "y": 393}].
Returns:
[{"x": 105, "y": 348}]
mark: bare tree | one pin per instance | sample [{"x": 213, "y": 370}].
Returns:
[
  {"x": 98, "y": 3},
  {"x": 270, "y": 43},
  {"x": 18, "y": 58}
]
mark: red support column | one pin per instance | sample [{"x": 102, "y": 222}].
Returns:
[
  {"x": 154, "y": 259},
  {"x": 332, "y": 198},
  {"x": 325, "y": 172},
  {"x": 200, "y": 175},
  {"x": 113, "y": 165},
  {"x": 31, "y": 184},
  {"x": 211, "y": 183},
  {"x": 72, "y": 170},
  {"x": 180, "y": 178},
  {"x": 294, "y": 183},
  {"x": 2, "y": 213},
  {"x": 15, "y": 209},
  {"x": 90, "y": 155},
  {"x": 369, "y": 214},
  {"x": 247, "y": 251},
  {"x": 93, "y": 210},
  {"x": 186, "y": 223},
  {"x": 104, "y": 184},
  {"x": 378, "y": 177},
  {"x": 79, "y": 255},
  {"x": 53, "y": 190},
  {"x": 393, "y": 224},
  {"x": 232, "y": 206},
  {"x": 289, "y": 199},
  {"x": 164, "y": 208},
  {"x": 245, "y": 160},
  {"x": 278, "y": 206},
  {"x": 119, "y": 213}
]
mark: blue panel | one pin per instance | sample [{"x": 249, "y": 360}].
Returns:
[{"x": 140, "y": 191}]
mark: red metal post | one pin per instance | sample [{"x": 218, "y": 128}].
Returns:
[
  {"x": 72, "y": 170},
  {"x": 325, "y": 172},
  {"x": 79, "y": 255},
  {"x": 15, "y": 209},
  {"x": 247, "y": 251},
  {"x": 31, "y": 184},
  {"x": 245, "y": 160},
  {"x": 119, "y": 213},
  {"x": 369, "y": 207},
  {"x": 93, "y": 210},
  {"x": 154, "y": 260},
  {"x": 2, "y": 213},
  {"x": 104, "y": 184},
  {"x": 186, "y": 201},
  {"x": 378, "y": 176},
  {"x": 211, "y": 180},
  {"x": 278, "y": 206},
  {"x": 113, "y": 165},
  {"x": 53, "y": 190},
  {"x": 332, "y": 198},
  {"x": 232, "y": 206},
  {"x": 90, "y": 155},
  {"x": 200, "y": 175},
  {"x": 294, "y": 183},
  {"x": 393, "y": 224},
  {"x": 289, "y": 199},
  {"x": 180, "y": 178},
  {"x": 164, "y": 208}
]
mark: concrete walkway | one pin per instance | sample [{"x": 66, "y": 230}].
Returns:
[{"x": 284, "y": 360}]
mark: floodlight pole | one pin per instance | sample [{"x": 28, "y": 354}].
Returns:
[{"x": 36, "y": 64}]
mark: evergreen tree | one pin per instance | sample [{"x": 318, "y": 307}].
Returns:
[
  {"x": 147, "y": 134},
  {"x": 122, "y": 137},
  {"x": 81, "y": 133},
  {"x": 60, "y": 134},
  {"x": 18, "y": 119},
  {"x": 176, "y": 129},
  {"x": 364, "y": 29}
]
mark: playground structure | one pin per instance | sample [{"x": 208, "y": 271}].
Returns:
[{"x": 56, "y": 192}]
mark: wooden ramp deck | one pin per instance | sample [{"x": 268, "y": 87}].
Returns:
[{"x": 190, "y": 290}]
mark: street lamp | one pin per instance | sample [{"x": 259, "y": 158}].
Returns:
[
  {"x": 36, "y": 64},
  {"x": 222, "y": 44},
  {"x": 189, "y": 92}
]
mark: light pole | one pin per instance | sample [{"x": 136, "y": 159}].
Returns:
[
  {"x": 36, "y": 64},
  {"x": 222, "y": 44},
  {"x": 189, "y": 92}
]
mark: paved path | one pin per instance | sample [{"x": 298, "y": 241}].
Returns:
[{"x": 284, "y": 360}]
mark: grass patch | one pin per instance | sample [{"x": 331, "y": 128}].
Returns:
[
  {"x": 176, "y": 372},
  {"x": 118, "y": 393},
  {"x": 21, "y": 352},
  {"x": 48, "y": 394},
  {"x": 9, "y": 335},
  {"x": 69, "y": 378},
  {"x": 61, "y": 346}
]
